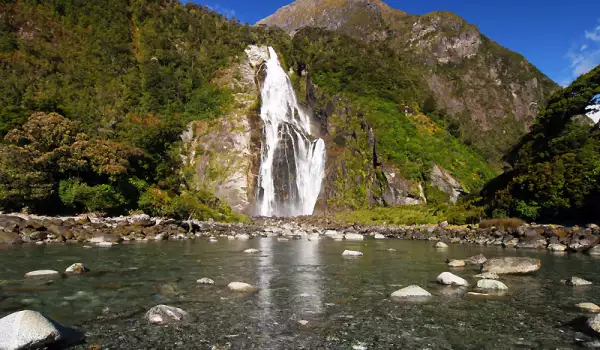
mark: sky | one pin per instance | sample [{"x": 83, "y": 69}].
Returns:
[{"x": 561, "y": 38}]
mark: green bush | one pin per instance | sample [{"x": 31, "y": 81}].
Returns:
[{"x": 78, "y": 195}]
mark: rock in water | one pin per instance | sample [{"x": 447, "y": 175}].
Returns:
[
  {"x": 411, "y": 292},
  {"x": 476, "y": 260},
  {"x": 251, "y": 251},
  {"x": 491, "y": 284},
  {"x": 42, "y": 274},
  {"x": 351, "y": 253},
  {"x": 557, "y": 247},
  {"x": 487, "y": 276},
  {"x": 241, "y": 287},
  {"x": 31, "y": 330},
  {"x": 576, "y": 281},
  {"x": 205, "y": 281},
  {"x": 595, "y": 250},
  {"x": 588, "y": 307},
  {"x": 77, "y": 269},
  {"x": 594, "y": 324},
  {"x": 449, "y": 279},
  {"x": 441, "y": 245},
  {"x": 511, "y": 265},
  {"x": 354, "y": 237},
  {"x": 456, "y": 263},
  {"x": 162, "y": 314},
  {"x": 379, "y": 236}
]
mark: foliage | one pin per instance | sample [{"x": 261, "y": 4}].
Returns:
[
  {"x": 556, "y": 167},
  {"x": 81, "y": 196},
  {"x": 503, "y": 224}
]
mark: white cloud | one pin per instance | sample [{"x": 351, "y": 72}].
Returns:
[{"x": 585, "y": 54}]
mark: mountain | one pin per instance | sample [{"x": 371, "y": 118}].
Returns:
[
  {"x": 555, "y": 168},
  {"x": 485, "y": 94}
]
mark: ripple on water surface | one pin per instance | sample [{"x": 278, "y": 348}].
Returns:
[{"x": 310, "y": 296}]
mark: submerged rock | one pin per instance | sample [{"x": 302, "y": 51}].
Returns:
[
  {"x": 77, "y": 269},
  {"x": 488, "y": 276},
  {"x": 241, "y": 287},
  {"x": 450, "y": 279},
  {"x": 577, "y": 281},
  {"x": 42, "y": 274},
  {"x": 476, "y": 260},
  {"x": 456, "y": 263},
  {"x": 205, "y": 280},
  {"x": 410, "y": 292},
  {"x": 162, "y": 314},
  {"x": 441, "y": 245},
  {"x": 511, "y": 265},
  {"x": 31, "y": 330},
  {"x": 588, "y": 307},
  {"x": 491, "y": 284},
  {"x": 351, "y": 253}
]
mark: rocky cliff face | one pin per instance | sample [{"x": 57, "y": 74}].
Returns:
[
  {"x": 491, "y": 91},
  {"x": 223, "y": 154}
]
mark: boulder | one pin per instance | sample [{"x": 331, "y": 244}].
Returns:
[
  {"x": 10, "y": 238},
  {"x": 488, "y": 276},
  {"x": 205, "y": 280},
  {"x": 532, "y": 243},
  {"x": 77, "y": 269},
  {"x": 251, "y": 251},
  {"x": 42, "y": 274},
  {"x": 511, "y": 265},
  {"x": 163, "y": 314},
  {"x": 594, "y": 324},
  {"x": 557, "y": 247},
  {"x": 476, "y": 260},
  {"x": 441, "y": 245},
  {"x": 411, "y": 292},
  {"x": 351, "y": 253},
  {"x": 581, "y": 243},
  {"x": 354, "y": 237},
  {"x": 594, "y": 251},
  {"x": 576, "y": 281},
  {"x": 450, "y": 279},
  {"x": 31, "y": 330},
  {"x": 491, "y": 284},
  {"x": 588, "y": 307},
  {"x": 241, "y": 287},
  {"x": 379, "y": 236},
  {"x": 456, "y": 263}
]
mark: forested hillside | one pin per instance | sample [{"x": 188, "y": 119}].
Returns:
[{"x": 555, "y": 171}]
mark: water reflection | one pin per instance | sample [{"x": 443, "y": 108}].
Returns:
[{"x": 308, "y": 279}]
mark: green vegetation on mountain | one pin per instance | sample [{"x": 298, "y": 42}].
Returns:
[{"x": 555, "y": 171}]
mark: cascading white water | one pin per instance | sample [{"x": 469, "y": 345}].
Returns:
[{"x": 292, "y": 164}]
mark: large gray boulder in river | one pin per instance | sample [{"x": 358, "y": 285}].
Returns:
[
  {"x": 511, "y": 265},
  {"x": 31, "y": 330}
]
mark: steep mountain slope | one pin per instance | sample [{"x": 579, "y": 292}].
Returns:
[
  {"x": 485, "y": 94},
  {"x": 556, "y": 167}
]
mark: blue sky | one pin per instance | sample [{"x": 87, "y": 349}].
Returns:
[{"x": 562, "y": 38}]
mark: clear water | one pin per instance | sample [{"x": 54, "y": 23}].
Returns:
[
  {"x": 344, "y": 300},
  {"x": 292, "y": 165}
]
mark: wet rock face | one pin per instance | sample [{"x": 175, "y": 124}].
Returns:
[
  {"x": 400, "y": 191},
  {"x": 442, "y": 180},
  {"x": 511, "y": 265}
]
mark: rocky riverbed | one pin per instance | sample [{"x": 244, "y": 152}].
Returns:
[{"x": 17, "y": 229}]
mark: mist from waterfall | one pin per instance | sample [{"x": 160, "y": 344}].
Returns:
[{"x": 292, "y": 162}]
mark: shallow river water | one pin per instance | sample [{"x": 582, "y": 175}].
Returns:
[{"x": 345, "y": 300}]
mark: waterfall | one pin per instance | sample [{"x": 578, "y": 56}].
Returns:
[{"x": 292, "y": 161}]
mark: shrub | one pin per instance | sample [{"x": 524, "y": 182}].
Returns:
[
  {"x": 503, "y": 224},
  {"x": 78, "y": 195}
]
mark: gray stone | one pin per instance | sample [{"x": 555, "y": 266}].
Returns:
[
  {"x": 456, "y": 263},
  {"x": 511, "y": 265},
  {"x": 488, "y": 276},
  {"x": 411, "y": 292},
  {"x": 588, "y": 307},
  {"x": 491, "y": 284},
  {"x": 442, "y": 180},
  {"x": 351, "y": 253},
  {"x": 557, "y": 247},
  {"x": 251, "y": 251},
  {"x": 441, "y": 245},
  {"x": 379, "y": 236},
  {"x": 241, "y": 287},
  {"x": 205, "y": 280},
  {"x": 595, "y": 250},
  {"x": 354, "y": 237},
  {"x": 242, "y": 237},
  {"x": 594, "y": 324},
  {"x": 42, "y": 274},
  {"x": 77, "y": 269},
  {"x": 534, "y": 243},
  {"x": 583, "y": 242},
  {"x": 163, "y": 314},
  {"x": 31, "y": 330},
  {"x": 450, "y": 279},
  {"x": 476, "y": 260},
  {"x": 576, "y": 281}
]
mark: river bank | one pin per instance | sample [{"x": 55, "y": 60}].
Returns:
[{"x": 19, "y": 229}]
